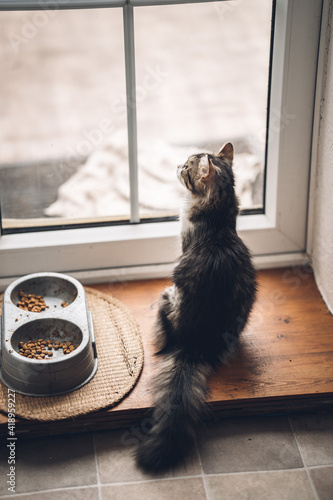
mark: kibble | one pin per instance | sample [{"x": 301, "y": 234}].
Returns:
[
  {"x": 41, "y": 349},
  {"x": 31, "y": 302}
]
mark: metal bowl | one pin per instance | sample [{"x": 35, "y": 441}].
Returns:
[{"x": 60, "y": 373}]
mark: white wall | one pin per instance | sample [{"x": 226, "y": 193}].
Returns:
[{"x": 321, "y": 236}]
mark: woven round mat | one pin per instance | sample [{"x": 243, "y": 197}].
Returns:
[{"x": 120, "y": 360}]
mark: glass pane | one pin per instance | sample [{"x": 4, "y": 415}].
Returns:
[
  {"x": 202, "y": 80},
  {"x": 63, "y": 156}
]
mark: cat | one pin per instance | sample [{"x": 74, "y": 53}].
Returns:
[{"x": 202, "y": 314}]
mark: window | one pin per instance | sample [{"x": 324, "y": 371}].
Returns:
[{"x": 273, "y": 224}]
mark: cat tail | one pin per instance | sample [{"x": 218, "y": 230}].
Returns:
[{"x": 180, "y": 396}]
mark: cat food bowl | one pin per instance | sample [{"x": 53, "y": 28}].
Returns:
[{"x": 47, "y": 337}]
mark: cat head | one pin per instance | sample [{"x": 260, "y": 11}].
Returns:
[{"x": 205, "y": 174}]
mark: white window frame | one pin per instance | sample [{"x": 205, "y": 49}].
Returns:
[{"x": 146, "y": 250}]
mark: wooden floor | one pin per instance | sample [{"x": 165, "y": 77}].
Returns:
[{"x": 285, "y": 362}]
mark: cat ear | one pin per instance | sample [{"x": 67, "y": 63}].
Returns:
[
  {"x": 206, "y": 169},
  {"x": 227, "y": 152}
]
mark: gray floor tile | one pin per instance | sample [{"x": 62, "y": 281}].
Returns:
[
  {"x": 170, "y": 489},
  {"x": 55, "y": 462},
  {"x": 249, "y": 444},
  {"x": 281, "y": 485},
  {"x": 116, "y": 460},
  {"x": 315, "y": 437},
  {"x": 89, "y": 493},
  {"x": 323, "y": 480}
]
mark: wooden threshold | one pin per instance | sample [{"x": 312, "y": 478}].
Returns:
[{"x": 285, "y": 361}]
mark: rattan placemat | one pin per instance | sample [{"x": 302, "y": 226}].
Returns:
[{"x": 120, "y": 360}]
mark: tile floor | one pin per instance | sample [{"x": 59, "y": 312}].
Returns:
[{"x": 248, "y": 458}]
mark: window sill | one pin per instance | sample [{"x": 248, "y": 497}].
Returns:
[
  {"x": 136, "y": 251},
  {"x": 285, "y": 362}
]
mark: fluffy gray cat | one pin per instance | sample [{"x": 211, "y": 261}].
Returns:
[{"x": 202, "y": 315}]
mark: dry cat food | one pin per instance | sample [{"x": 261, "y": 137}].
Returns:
[
  {"x": 31, "y": 302},
  {"x": 43, "y": 349},
  {"x": 34, "y": 303}
]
